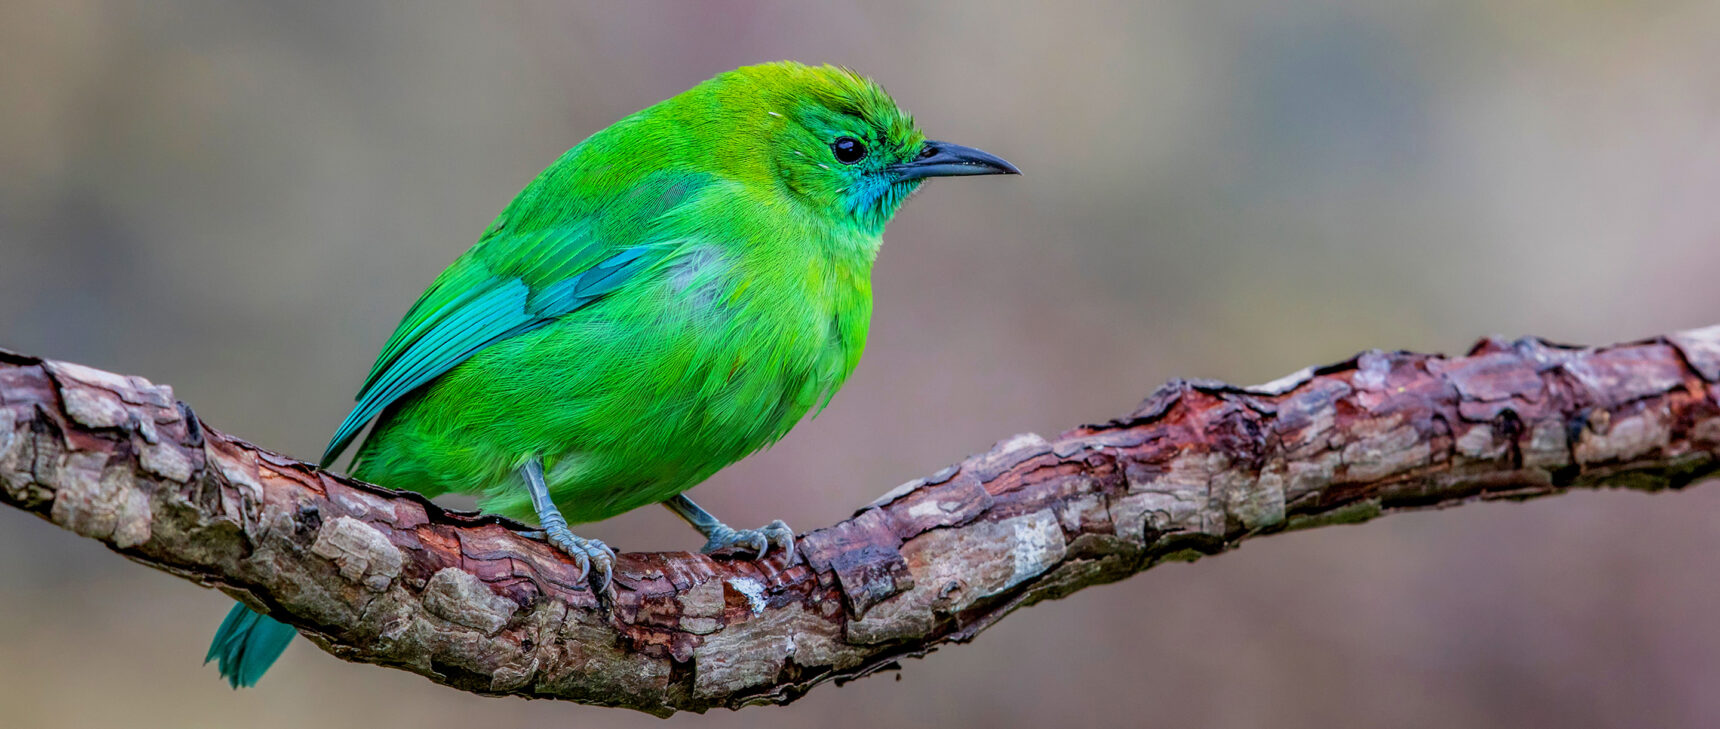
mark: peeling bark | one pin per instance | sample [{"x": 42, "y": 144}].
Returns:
[{"x": 386, "y": 577}]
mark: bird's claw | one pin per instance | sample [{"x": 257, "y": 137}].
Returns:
[
  {"x": 759, "y": 540},
  {"x": 595, "y": 559}
]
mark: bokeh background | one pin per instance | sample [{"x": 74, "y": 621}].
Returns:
[{"x": 240, "y": 199}]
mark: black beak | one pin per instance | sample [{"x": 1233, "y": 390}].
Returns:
[{"x": 942, "y": 159}]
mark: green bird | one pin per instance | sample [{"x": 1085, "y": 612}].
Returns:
[{"x": 672, "y": 294}]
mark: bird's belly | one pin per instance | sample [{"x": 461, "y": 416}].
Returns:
[{"x": 669, "y": 421}]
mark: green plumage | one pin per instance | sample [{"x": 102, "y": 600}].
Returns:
[{"x": 673, "y": 293}]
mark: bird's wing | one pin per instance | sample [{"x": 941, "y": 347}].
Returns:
[{"x": 505, "y": 286}]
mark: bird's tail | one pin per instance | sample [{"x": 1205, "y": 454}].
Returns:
[{"x": 246, "y": 644}]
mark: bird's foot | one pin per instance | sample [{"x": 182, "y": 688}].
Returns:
[
  {"x": 595, "y": 559},
  {"x": 759, "y": 540}
]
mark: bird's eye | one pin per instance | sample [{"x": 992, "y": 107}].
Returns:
[{"x": 848, "y": 150}]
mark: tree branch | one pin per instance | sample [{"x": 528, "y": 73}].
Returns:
[{"x": 386, "y": 577}]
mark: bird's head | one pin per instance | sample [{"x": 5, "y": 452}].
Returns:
[{"x": 834, "y": 140}]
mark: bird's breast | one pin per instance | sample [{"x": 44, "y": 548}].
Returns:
[{"x": 774, "y": 336}]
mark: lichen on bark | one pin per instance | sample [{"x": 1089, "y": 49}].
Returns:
[{"x": 387, "y": 577}]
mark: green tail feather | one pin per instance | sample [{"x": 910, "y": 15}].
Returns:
[{"x": 246, "y": 644}]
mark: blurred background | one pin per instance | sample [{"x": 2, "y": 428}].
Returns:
[{"x": 241, "y": 199}]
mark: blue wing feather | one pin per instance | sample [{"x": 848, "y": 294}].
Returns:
[
  {"x": 495, "y": 310},
  {"x": 511, "y": 283}
]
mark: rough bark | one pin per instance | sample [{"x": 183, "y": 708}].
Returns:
[{"x": 386, "y": 577}]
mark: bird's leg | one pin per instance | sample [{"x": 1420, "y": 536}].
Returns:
[
  {"x": 720, "y": 536},
  {"x": 588, "y": 553}
]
